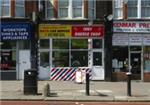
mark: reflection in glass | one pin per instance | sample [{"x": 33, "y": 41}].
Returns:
[
  {"x": 44, "y": 43},
  {"x": 79, "y": 58},
  {"x": 79, "y": 43},
  {"x": 44, "y": 59},
  {"x": 97, "y": 43},
  {"x": 60, "y": 44},
  {"x": 60, "y": 58}
]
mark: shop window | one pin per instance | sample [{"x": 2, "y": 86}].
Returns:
[
  {"x": 97, "y": 43},
  {"x": 8, "y": 60},
  {"x": 44, "y": 43},
  {"x": 79, "y": 58},
  {"x": 60, "y": 44},
  {"x": 8, "y": 44},
  {"x": 146, "y": 56},
  {"x": 120, "y": 59},
  {"x": 44, "y": 59},
  {"x": 24, "y": 45},
  {"x": 60, "y": 58},
  {"x": 135, "y": 48},
  {"x": 79, "y": 44}
]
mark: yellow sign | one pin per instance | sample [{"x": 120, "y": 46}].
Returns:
[{"x": 54, "y": 31}]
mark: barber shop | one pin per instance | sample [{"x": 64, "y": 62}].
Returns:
[{"x": 65, "y": 49}]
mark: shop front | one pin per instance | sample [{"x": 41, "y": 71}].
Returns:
[
  {"x": 14, "y": 49},
  {"x": 64, "y": 49},
  {"x": 131, "y": 50}
]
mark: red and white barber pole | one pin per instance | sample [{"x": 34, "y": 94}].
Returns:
[{"x": 80, "y": 76}]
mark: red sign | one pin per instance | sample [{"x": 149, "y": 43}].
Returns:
[{"x": 88, "y": 31}]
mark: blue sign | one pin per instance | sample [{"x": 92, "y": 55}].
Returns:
[{"x": 15, "y": 31}]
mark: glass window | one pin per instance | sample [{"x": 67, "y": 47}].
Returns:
[
  {"x": 146, "y": 57},
  {"x": 19, "y": 8},
  {"x": 132, "y": 8},
  {"x": 0, "y": 8},
  {"x": 60, "y": 58},
  {"x": 97, "y": 59},
  {"x": 135, "y": 48},
  {"x": 24, "y": 45},
  {"x": 8, "y": 60},
  {"x": 79, "y": 43},
  {"x": 60, "y": 44},
  {"x": 118, "y": 11},
  {"x": 91, "y": 9},
  {"x": 49, "y": 9},
  {"x": 77, "y": 8},
  {"x": 44, "y": 43},
  {"x": 4, "y": 7},
  {"x": 97, "y": 43},
  {"x": 63, "y": 8},
  {"x": 120, "y": 59},
  {"x": 44, "y": 59},
  {"x": 145, "y": 8},
  {"x": 79, "y": 58}
]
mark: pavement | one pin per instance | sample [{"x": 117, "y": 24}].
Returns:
[{"x": 100, "y": 91}]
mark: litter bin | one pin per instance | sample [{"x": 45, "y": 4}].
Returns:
[{"x": 30, "y": 82}]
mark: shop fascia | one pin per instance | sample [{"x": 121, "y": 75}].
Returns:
[
  {"x": 68, "y": 31},
  {"x": 134, "y": 26}
]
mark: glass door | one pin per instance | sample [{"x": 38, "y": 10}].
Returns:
[
  {"x": 97, "y": 68},
  {"x": 135, "y": 62}
]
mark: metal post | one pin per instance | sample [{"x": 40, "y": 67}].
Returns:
[
  {"x": 129, "y": 83},
  {"x": 87, "y": 84}
]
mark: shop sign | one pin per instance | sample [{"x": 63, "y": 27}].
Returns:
[
  {"x": 135, "y": 39},
  {"x": 88, "y": 31},
  {"x": 146, "y": 39},
  {"x": 127, "y": 26},
  {"x": 15, "y": 31},
  {"x": 54, "y": 31},
  {"x": 120, "y": 39}
]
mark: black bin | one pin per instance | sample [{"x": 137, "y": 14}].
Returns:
[{"x": 30, "y": 82}]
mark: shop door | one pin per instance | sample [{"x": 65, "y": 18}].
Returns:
[
  {"x": 135, "y": 63},
  {"x": 44, "y": 69},
  {"x": 97, "y": 69},
  {"x": 24, "y": 62}
]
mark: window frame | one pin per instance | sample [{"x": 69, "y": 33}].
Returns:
[
  {"x": 118, "y": 6},
  {"x": 5, "y": 5},
  {"x": 93, "y": 8},
  {"x": 146, "y": 8},
  {"x": 49, "y": 8},
  {"x": 19, "y": 5}
]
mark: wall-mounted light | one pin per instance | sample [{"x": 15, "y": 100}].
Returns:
[{"x": 108, "y": 17}]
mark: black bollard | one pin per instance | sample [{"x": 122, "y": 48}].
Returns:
[
  {"x": 128, "y": 83},
  {"x": 87, "y": 84}
]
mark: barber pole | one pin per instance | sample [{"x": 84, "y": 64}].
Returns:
[{"x": 66, "y": 73}]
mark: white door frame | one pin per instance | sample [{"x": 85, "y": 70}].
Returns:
[
  {"x": 100, "y": 67},
  {"x": 26, "y": 62}
]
